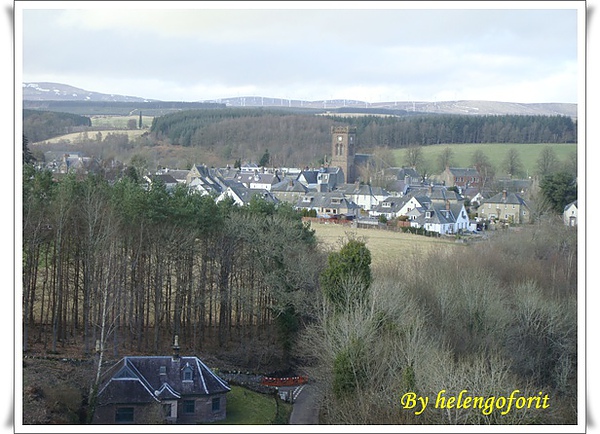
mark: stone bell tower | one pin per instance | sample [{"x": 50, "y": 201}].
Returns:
[{"x": 343, "y": 143}]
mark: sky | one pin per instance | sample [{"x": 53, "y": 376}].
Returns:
[{"x": 525, "y": 52}]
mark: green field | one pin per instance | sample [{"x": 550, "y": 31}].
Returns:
[
  {"x": 76, "y": 138},
  {"x": 496, "y": 152},
  {"x": 245, "y": 407},
  {"x": 119, "y": 122},
  {"x": 385, "y": 246}
]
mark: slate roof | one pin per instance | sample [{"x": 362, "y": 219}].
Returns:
[
  {"x": 361, "y": 189},
  {"x": 436, "y": 192},
  {"x": 165, "y": 177},
  {"x": 333, "y": 200},
  {"x": 245, "y": 194},
  {"x": 464, "y": 171},
  {"x": 247, "y": 178},
  {"x": 399, "y": 173},
  {"x": 567, "y": 206},
  {"x": 508, "y": 198},
  {"x": 391, "y": 204},
  {"x": 289, "y": 185},
  {"x": 139, "y": 380},
  {"x": 440, "y": 214}
]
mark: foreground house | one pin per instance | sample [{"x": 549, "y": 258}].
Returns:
[{"x": 155, "y": 389}]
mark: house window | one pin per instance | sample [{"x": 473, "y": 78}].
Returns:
[
  {"x": 216, "y": 404},
  {"x": 187, "y": 374},
  {"x": 162, "y": 370},
  {"x": 189, "y": 406},
  {"x": 167, "y": 410},
  {"x": 124, "y": 415}
]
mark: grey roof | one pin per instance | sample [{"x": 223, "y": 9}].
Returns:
[
  {"x": 401, "y": 172},
  {"x": 391, "y": 204},
  {"x": 249, "y": 177},
  {"x": 310, "y": 176},
  {"x": 246, "y": 194},
  {"x": 463, "y": 171},
  {"x": 177, "y": 174},
  {"x": 333, "y": 200},
  {"x": 289, "y": 185},
  {"x": 440, "y": 213},
  {"x": 139, "y": 380},
  {"x": 435, "y": 192},
  {"x": 165, "y": 177},
  {"x": 574, "y": 203},
  {"x": 508, "y": 198}
]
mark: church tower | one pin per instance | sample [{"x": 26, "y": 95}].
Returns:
[{"x": 343, "y": 143}]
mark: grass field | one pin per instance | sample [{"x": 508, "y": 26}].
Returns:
[
  {"x": 384, "y": 245},
  {"x": 76, "y": 138},
  {"x": 119, "y": 122},
  {"x": 496, "y": 152},
  {"x": 245, "y": 407}
]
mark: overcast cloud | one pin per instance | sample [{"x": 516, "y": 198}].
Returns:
[{"x": 515, "y": 51}]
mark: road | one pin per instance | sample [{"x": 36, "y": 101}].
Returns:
[{"x": 305, "y": 409}]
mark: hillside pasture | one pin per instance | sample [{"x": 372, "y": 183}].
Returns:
[
  {"x": 79, "y": 138},
  {"x": 120, "y": 122},
  {"x": 385, "y": 246},
  {"x": 496, "y": 152}
]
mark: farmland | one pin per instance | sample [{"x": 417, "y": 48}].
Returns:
[
  {"x": 496, "y": 152},
  {"x": 385, "y": 246}
]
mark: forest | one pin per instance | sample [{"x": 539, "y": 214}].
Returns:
[
  {"x": 133, "y": 267},
  {"x": 42, "y": 125},
  {"x": 191, "y": 128}
]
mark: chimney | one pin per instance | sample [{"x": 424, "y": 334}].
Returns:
[
  {"x": 504, "y": 195},
  {"x": 447, "y": 204},
  {"x": 176, "y": 348}
]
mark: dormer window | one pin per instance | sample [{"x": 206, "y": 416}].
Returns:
[
  {"x": 162, "y": 370},
  {"x": 187, "y": 373}
]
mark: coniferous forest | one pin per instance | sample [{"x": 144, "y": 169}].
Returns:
[
  {"x": 190, "y": 128},
  {"x": 133, "y": 267}
]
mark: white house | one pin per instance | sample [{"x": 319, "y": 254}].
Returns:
[
  {"x": 570, "y": 214},
  {"x": 443, "y": 218}
]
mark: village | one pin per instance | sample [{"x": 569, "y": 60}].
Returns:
[{"x": 456, "y": 201}]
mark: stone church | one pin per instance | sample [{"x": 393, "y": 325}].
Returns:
[{"x": 343, "y": 152}]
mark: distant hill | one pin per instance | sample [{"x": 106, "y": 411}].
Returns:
[
  {"x": 464, "y": 107},
  {"x": 44, "y": 91}
]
